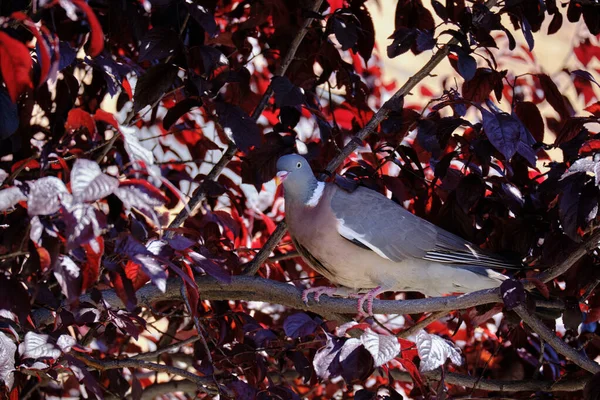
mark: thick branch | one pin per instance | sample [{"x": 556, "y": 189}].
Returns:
[
  {"x": 200, "y": 192},
  {"x": 252, "y": 288},
  {"x": 557, "y": 344},
  {"x": 573, "y": 385},
  {"x": 204, "y": 384}
]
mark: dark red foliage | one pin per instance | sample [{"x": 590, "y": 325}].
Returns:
[{"x": 114, "y": 113}]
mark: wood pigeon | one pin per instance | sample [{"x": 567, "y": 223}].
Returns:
[{"x": 367, "y": 244}]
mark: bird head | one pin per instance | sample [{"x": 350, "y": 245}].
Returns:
[{"x": 297, "y": 177}]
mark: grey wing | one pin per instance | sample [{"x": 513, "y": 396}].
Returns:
[{"x": 371, "y": 220}]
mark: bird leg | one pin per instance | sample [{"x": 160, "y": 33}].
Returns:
[{"x": 368, "y": 297}]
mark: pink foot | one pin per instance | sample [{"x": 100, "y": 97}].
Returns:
[
  {"x": 368, "y": 297},
  {"x": 318, "y": 291}
]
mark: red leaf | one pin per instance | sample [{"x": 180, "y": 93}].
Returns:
[
  {"x": 594, "y": 109},
  {"x": 45, "y": 259},
  {"x": 136, "y": 275},
  {"x": 79, "y": 118},
  {"x": 146, "y": 187},
  {"x": 553, "y": 95},
  {"x": 96, "y": 34},
  {"x": 590, "y": 147},
  {"x": 570, "y": 129},
  {"x": 530, "y": 116},
  {"x": 91, "y": 269},
  {"x": 478, "y": 89},
  {"x": 106, "y": 117},
  {"x": 269, "y": 223},
  {"x": 15, "y": 64},
  {"x": 191, "y": 291},
  {"x": 45, "y": 61},
  {"x": 593, "y": 315},
  {"x": 412, "y": 369}
]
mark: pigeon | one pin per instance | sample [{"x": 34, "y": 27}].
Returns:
[{"x": 366, "y": 244}]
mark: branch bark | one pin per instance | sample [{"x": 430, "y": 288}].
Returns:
[
  {"x": 202, "y": 383},
  {"x": 557, "y": 344},
  {"x": 573, "y": 385},
  {"x": 200, "y": 193}
]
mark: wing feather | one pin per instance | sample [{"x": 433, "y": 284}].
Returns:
[{"x": 374, "y": 221}]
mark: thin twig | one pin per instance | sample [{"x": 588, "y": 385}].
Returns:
[
  {"x": 153, "y": 354},
  {"x": 16, "y": 254},
  {"x": 204, "y": 384}
]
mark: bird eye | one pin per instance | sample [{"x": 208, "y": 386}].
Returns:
[{"x": 299, "y": 165}]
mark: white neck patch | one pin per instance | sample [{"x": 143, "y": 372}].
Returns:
[{"x": 316, "y": 196}]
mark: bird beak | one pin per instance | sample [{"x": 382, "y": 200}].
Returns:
[{"x": 281, "y": 175}]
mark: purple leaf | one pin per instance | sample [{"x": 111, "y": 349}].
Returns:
[
  {"x": 7, "y": 360},
  {"x": 242, "y": 129},
  {"x": 83, "y": 223},
  {"x": 179, "y": 110},
  {"x": 403, "y": 41},
  {"x": 585, "y": 75},
  {"x": 299, "y": 325},
  {"x": 383, "y": 348},
  {"x": 426, "y": 136},
  {"x": 46, "y": 195},
  {"x": 364, "y": 394},
  {"x": 434, "y": 351},
  {"x": 151, "y": 86},
  {"x": 355, "y": 361},
  {"x": 210, "y": 267},
  {"x": 326, "y": 361},
  {"x": 10, "y": 197},
  {"x": 526, "y": 28},
  {"x": 67, "y": 274},
  {"x": 134, "y": 148},
  {"x": 345, "y": 30},
  {"x": 9, "y": 117},
  {"x": 154, "y": 269},
  {"x": 37, "y": 346},
  {"x": 88, "y": 183},
  {"x": 513, "y": 293},
  {"x": 286, "y": 93},
  {"x": 584, "y": 165},
  {"x": 180, "y": 242},
  {"x": 425, "y": 41},
  {"x": 159, "y": 43},
  {"x": 66, "y": 342},
  {"x": 135, "y": 197},
  {"x": 467, "y": 66},
  {"x": 302, "y": 366},
  {"x": 203, "y": 17},
  {"x": 242, "y": 390},
  {"x": 503, "y": 131}
]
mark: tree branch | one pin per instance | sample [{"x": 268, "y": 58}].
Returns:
[
  {"x": 557, "y": 344},
  {"x": 200, "y": 193},
  {"x": 573, "y": 385},
  {"x": 204, "y": 384},
  {"x": 173, "y": 346}
]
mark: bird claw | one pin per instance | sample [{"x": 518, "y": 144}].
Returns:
[
  {"x": 368, "y": 297},
  {"x": 318, "y": 292}
]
